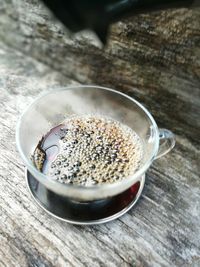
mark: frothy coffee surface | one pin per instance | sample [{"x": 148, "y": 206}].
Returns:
[{"x": 89, "y": 150}]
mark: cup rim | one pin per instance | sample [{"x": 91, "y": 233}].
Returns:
[{"x": 46, "y": 180}]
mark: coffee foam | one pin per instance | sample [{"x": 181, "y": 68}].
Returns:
[{"x": 95, "y": 150}]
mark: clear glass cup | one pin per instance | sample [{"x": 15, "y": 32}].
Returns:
[{"x": 52, "y": 108}]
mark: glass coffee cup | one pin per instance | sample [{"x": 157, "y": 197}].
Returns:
[{"x": 52, "y": 108}]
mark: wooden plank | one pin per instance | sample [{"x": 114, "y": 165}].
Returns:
[
  {"x": 162, "y": 230},
  {"x": 158, "y": 50},
  {"x": 154, "y": 58}
]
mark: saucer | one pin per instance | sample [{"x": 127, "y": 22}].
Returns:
[{"x": 84, "y": 213}]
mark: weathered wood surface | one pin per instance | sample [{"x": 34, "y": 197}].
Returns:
[
  {"x": 154, "y": 58},
  {"x": 158, "y": 50}
]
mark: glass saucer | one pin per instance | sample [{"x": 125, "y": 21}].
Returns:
[{"x": 84, "y": 213}]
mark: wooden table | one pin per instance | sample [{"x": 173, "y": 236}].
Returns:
[{"x": 163, "y": 229}]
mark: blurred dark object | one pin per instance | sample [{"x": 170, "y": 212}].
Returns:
[{"x": 97, "y": 15}]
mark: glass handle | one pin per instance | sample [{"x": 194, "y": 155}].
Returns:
[{"x": 167, "y": 142}]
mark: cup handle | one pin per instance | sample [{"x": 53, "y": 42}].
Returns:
[{"x": 167, "y": 142}]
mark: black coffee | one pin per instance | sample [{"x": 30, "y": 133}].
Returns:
[{"x": 88, "y": 150}]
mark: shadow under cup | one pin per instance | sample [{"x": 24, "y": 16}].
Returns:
[{"x": 52, "y": 108}]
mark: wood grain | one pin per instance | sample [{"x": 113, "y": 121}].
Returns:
[{"x": 154, "y": 58}]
